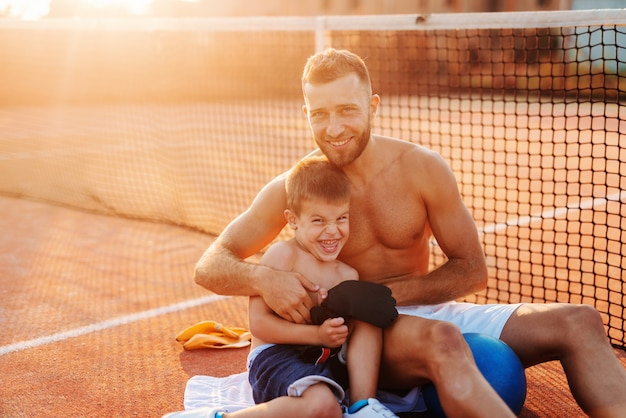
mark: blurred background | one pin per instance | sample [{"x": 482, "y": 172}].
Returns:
[
  {"x": 36, "y": 9},
  {"x": 168, "y": 111}
]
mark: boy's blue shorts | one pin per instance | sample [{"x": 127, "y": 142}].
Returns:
[{"x": 281, "y": 370}]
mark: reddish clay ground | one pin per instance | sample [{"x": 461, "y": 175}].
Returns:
[{"x": 90, "y": 306}]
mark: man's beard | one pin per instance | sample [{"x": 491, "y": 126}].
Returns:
[{"x": 344, "y": 158}]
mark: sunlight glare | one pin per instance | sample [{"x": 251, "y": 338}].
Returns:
[
  {"x": 36, "y": 9},
  {"x": 136, "y": 7},
  {"x": 24, "y": 9}
]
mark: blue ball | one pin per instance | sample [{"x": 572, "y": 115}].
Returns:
[{"x": 499, "y": 365}]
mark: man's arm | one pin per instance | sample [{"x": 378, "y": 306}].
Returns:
[
  {"x": 465, "y": 271},
  {"x": 222, "y": 268}
]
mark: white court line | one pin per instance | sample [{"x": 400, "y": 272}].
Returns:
[
  {"x": 553, "y": 213},
  {"x": 110, "y": 323}
]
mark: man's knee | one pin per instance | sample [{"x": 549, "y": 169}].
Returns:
[
  {"x": 445, "y": 343},
  {"x": 452, "y": 368},
  {"x": 587, "y": 315},
  {"x": 445, "y": 337},
  {"x": 424, "y": 342},
  {"x": 416, "y": 348},
  {"x": 581, "y": 319}
]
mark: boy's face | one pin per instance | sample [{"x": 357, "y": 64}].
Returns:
[{"x": 322, "y": 228}]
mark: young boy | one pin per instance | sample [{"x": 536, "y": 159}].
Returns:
[{"x": 284, "y": 382}]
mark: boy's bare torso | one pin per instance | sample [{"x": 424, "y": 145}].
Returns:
[{"x": 326, "y": 274}]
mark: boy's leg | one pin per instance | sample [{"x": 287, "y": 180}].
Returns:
[
  {"x": 418, "y": 350},
  {"x": 318, "y": 400},
  {"x": 363, "y": 360}
]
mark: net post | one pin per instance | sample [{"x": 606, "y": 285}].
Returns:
[{"x": 320, "y": 34}]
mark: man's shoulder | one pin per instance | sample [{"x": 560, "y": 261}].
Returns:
[
  {"x": 406, "y": 151},
  {"x": 278, "y": 182},
  {"x": 402, "y": 145}
]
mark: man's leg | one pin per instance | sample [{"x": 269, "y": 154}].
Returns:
[
  {"x": 575, "y": 335},
  {"x": 417, "y": 350}
]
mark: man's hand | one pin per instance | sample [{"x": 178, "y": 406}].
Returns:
[
  {"x": 287, "y": 296},
  {"x": 333, "y": 332}
]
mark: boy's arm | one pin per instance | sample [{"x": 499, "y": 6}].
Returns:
[{"x": 270, "y": 328}]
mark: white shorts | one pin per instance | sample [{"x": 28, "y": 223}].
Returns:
[{"x": 469, "y": 317}]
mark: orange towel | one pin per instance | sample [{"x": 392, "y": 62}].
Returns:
[{"x": 211, "y": 334}]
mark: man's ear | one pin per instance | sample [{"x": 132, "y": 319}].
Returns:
[
  {"x": 374, "y": 102},
  {"x": 291, "y": 219}
]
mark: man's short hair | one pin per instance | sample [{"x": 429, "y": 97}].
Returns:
[
  {"x": 332, "y": 64},
  {"x": 316, "y": 178}
]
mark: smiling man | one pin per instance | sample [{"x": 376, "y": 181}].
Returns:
[{"x": 402, "y": 196}]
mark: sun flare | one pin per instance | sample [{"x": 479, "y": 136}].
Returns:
[
  {"x": 36, "y": 9},
  {"x": 24, "y": 9},
  {"x": 132, "y": 6}
]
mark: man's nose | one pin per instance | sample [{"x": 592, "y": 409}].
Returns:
[{"x": 335, "y": 126}]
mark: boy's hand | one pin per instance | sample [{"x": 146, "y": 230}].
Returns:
[{"x": 333, "y": 332}]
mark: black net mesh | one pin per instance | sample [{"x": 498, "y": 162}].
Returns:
[{"x": 185, "y": 126}]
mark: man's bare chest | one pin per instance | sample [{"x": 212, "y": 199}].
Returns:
[{"x": 386, "y": 219}]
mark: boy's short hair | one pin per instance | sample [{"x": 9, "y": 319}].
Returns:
[
  {"x": 315, "y": 178},
  {"x": 332, "y": 64}
]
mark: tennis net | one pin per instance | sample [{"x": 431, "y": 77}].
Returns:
[{"x": 183, "y": 120}]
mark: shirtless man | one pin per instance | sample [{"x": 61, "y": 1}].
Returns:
[{"x": 402, "y": 195}]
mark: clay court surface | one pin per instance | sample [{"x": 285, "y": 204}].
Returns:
[
  {"x": 90, "y": 308},
  {"x": 90, "y": 304}
]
